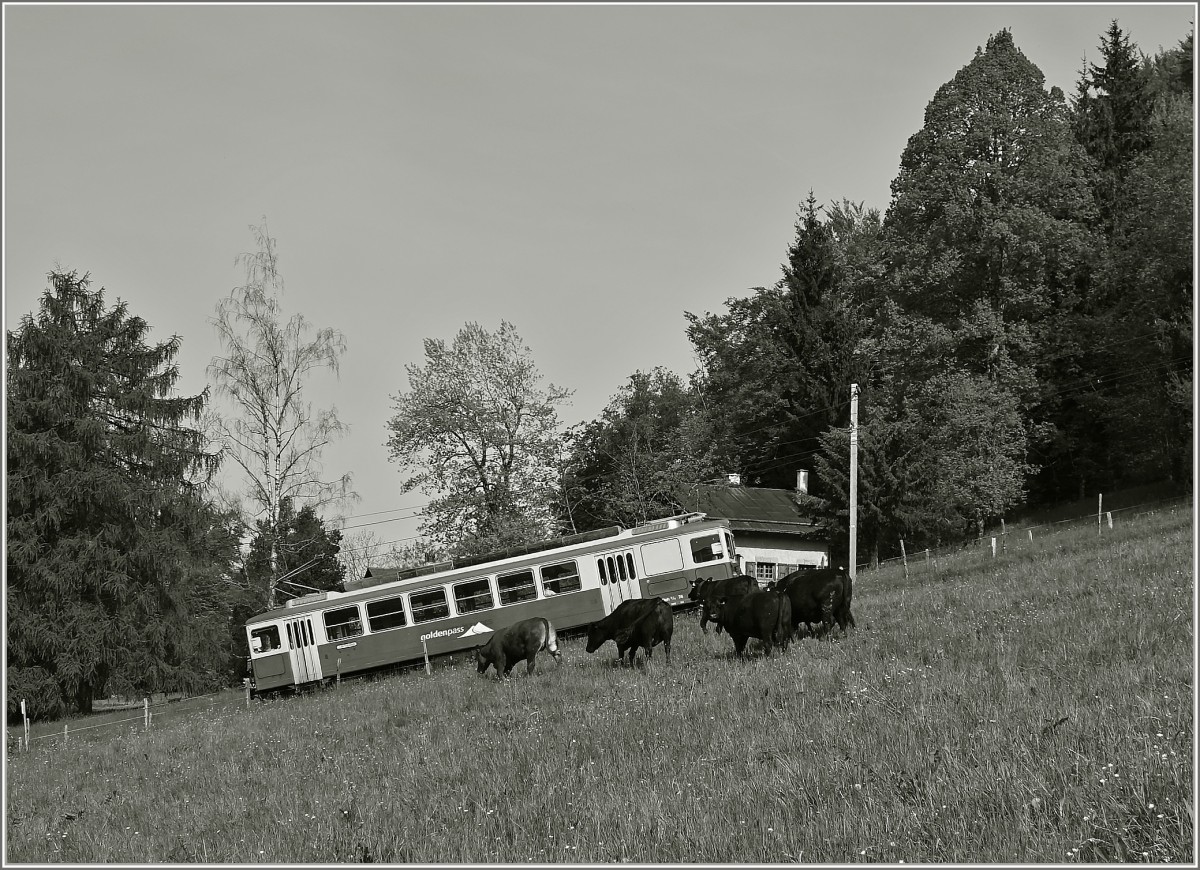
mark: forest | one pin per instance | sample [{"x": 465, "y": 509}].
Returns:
[{"x": 1018, "y": 322}]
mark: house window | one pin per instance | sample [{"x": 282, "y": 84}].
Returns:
[
  {"x": 343, "y": 622},
  {"x": 764, "y": 570}
]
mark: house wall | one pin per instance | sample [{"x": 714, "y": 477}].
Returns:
[{"x": 786, "y": 552}]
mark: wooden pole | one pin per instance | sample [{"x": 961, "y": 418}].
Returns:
[
  {"x": 1109, "y": 515},
  {"x": 904, "y": 558},
  {"x": 1003, "y": 535},
  {"x": 425, "y": 650},
  {"x": 337, "y": 682},
  {"x": 25, "y": 721},
  {"x": 853, "y": 567},
  {"x": 1031, "y": 536},
  {"x": 146, "y": 713},
  {"x": 993, "y": 546},
  {"x": 64, "y": 734},
  {"x": 1099, "y": 509}
]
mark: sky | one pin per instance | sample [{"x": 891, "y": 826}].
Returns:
[{"x": 588, "y": 173}]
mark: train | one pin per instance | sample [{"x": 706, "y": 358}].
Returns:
[{"x": 406, "y": 617}]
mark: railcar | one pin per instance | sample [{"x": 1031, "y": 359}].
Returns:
[{"x": 451, "y": 607}]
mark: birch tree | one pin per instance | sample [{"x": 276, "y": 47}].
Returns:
[{"x": 273, "y": 432}]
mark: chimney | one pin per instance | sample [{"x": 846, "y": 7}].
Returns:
[
  {"x": 802, "y": 481},
  {"x": 734, "y": 479}
]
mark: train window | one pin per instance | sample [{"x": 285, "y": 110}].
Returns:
[
  {"x": 629, "y": 563},
  {"x": 430, "y": 604},
  {"x": 516, "y": 587},
  {"x": 473, "y": 595},
  {"x": 385, "y": 614},
  {"x": 603, "y": 575},
  {"x": 342, "y": 623},
  {"x": 706, "y": 548},
  {"x": 560, "y": 578},
  {"x": 264, "y": 639}
]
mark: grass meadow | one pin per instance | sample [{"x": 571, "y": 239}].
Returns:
[{"x": 1032, "y": 707}]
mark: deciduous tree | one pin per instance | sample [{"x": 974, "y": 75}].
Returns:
[
  {"x": 272, "y": 431},
  {"x": 478, "y": 433}
]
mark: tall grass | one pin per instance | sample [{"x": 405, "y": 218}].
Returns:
[{"x": 1035, "y": 707}]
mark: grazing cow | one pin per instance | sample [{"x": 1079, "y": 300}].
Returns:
[
  {"x": 821, "y": 596},
  {"x": 713, "y": 593},
  {"x": 761, "y": 614},
  {"x": 521, "y": 640},
  {"x": 638, "y": 622}
]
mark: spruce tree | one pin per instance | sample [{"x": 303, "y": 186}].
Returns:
[{"x": 115, "y": 560}]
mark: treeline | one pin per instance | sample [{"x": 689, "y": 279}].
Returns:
[{"x": 1018, "y": 321}]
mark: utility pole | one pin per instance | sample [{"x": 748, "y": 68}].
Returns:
[{"x": 853, "y": 480}]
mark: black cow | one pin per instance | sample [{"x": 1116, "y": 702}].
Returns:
[
  {"x": 521, "y": 640},
  {"x": 761, "y": 614},
  {"x": 819, "y": 596},
  {"x": 638, "y": 622},
  {"x": 713, "y": 593}
]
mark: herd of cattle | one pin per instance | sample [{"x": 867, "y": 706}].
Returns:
[{"x": 737, "y": 605}]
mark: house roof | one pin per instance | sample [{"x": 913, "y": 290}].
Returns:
[{"x": 753, "y": 509}]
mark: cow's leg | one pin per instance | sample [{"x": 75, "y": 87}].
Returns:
[
  {"x": 502, "y": 667},
  {"x": 739, "y": 645},
  {"x": 667, "y": 648},
  {"x": 529, "y": 663}
]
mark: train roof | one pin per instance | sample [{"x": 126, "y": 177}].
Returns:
[{"x": 450, "y": 572}]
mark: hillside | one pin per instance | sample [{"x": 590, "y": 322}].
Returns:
[{"x": 1035, "y": 707}]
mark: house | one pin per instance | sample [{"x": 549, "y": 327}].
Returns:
[{"x": 773, "y": 536}]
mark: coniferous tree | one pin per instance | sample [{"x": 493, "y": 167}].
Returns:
[{"x": 116, "y": 563}]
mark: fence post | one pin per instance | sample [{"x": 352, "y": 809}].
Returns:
[
  {"x": 64, "y": 734},
  {"x": 425, "y": 650},
  {"x": 993, "y": 546},
  {"x": 146, "y": 713},
  {"x": 904, "y": 558},
  {"x": 1031, "y": 536},
  {"x": 1109, "y": 515},
  {"x": 1099, "y": 509},
  {"x": 1003, "y": 535},
  {"x": 25, "y": 722},
  {"x": 337, "y": 683}
]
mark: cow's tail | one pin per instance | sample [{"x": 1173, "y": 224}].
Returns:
[{"x": 551, "y": 644}]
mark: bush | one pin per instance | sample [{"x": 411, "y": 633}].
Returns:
[{"x": 40, "y": 691}]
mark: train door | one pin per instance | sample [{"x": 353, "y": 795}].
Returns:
[
  {"x": 618, "y": 578},
  {"x": 302, "y": 643}
]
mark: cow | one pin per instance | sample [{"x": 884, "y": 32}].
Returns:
[
  {"x": 713, "y": 593},
  {"x": 638, "y": 622},
  {"x": 761, "y": 614},
  {"x": 819, "y": 596},
  {"x": 521, "y": 640}
]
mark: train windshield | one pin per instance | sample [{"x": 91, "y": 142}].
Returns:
[{"x": 264, "y": 639}]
